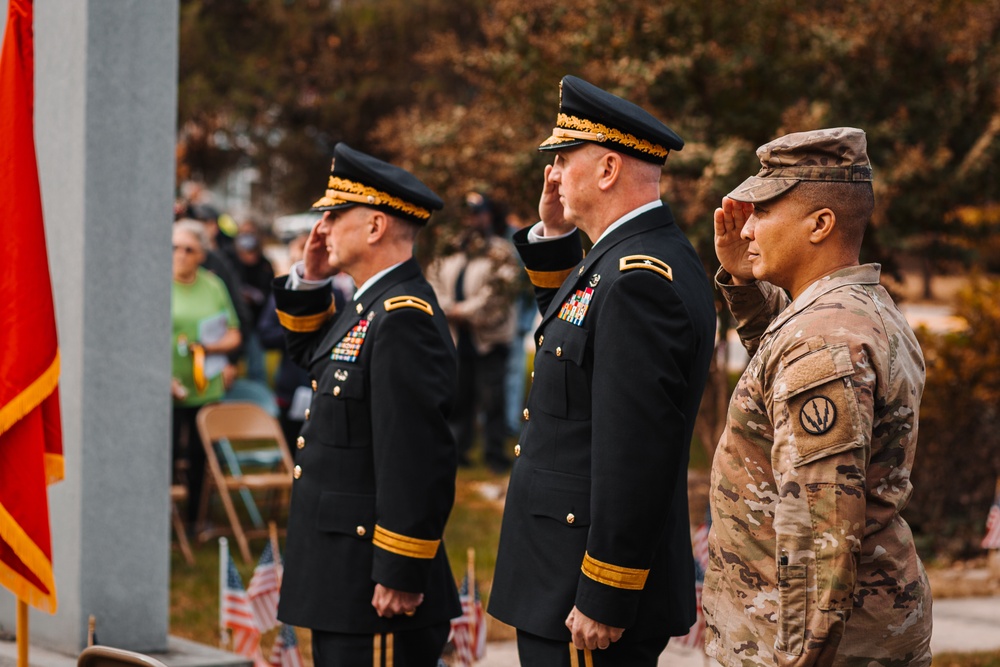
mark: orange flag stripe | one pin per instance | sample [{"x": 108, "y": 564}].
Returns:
[
  {"x": 31, "y": 397},
  {"x": 34, "y": 559}
]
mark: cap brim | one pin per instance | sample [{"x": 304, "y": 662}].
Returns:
[
  {"x": 555, "y": 143},
  {"x": 756, "y": 189},
  {"x": 330, "y": 204}
]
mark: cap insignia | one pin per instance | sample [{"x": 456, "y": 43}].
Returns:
[
  {"x": 342, "y": 190},
  {"x": 572, "y": 127}
]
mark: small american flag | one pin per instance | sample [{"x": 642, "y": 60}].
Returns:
[
  {"x": 992, "y": 538},
  {"x": 263, "y": 590},
  {"x": 285, "y": 652},
  {"x": 237, "y": 614},
  {"x": 695, "y": 638},
  {"x": 469, "y": 629}
]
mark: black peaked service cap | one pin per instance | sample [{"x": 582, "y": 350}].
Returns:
[
  {"x": 358, "y": 179},
  {"x": 587, "y": 113}
]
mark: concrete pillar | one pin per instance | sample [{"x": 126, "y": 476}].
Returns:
[{"x": 105, "y": 114}]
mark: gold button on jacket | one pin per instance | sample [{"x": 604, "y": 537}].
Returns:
[
  {"x": 361, "y": 531},
  {"x": 297, "y": 472},
  {"x": 517, "y": 450},
  {"x": 300, "y": 442}
]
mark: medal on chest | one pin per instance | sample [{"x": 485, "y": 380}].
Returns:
[
  {"x": 575, "y": 307},
  {"x": 349, "y": 346}
]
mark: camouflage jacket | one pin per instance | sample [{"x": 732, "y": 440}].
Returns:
[{"x": 810, "y": 561}]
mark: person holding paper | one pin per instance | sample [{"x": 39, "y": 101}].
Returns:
[{"x": 205, "y": 328}]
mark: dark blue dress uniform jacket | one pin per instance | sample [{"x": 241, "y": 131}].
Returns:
[
  {"x": 596, "y": 512},
  {"x": 375, "y": 462}
]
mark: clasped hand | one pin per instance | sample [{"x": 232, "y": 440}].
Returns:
[
  {"x": 590, "y": 634},
  {"x": 389, "y": 602}
]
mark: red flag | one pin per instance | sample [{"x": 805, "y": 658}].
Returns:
[{"x": 30, "y": 430}]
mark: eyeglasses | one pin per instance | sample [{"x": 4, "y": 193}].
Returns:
[{"x": 188, "y": 250}]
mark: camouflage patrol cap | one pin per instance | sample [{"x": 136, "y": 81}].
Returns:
[{"x": 836, "y": 154}]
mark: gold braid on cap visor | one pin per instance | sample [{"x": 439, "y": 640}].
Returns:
[
  {"x": 571, "y": 127},
  {"x": 342, "y": 190}
]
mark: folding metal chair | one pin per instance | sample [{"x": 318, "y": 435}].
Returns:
[
  {"x": 238, "y": 437},
  {"x": 178, "y": 492}
]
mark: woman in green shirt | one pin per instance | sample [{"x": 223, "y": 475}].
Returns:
[{"x": 205, "y": 328}]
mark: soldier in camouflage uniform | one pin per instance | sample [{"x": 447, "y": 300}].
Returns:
[{"x": 810, "y": 561}]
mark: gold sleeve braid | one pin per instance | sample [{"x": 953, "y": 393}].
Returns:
[
  {"x": 548, "y": 279},
  {"x": 401, "y": 545},
  {"x": 628, "y": 578},
  {"x": 305, "y": 323}
]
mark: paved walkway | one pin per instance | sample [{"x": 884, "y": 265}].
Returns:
[{"x": 961, "y": 625}]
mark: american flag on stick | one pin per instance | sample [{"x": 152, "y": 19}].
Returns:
[
  {"x": 235, "y": 612},
  {"x": 285, "y": 652},
  {"x": 992, "y": 538},
  {"x": 263, "y": 590},
  {"x": 469, "y": 629}
]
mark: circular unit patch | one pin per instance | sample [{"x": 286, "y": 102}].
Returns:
[{"x": 818, "y": 415}]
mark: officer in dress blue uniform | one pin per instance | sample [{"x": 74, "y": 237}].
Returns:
[
  {"x": 375, "y": 462},
  {"x": 595, "y": 564}
]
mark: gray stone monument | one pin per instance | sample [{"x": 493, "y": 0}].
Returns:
[{"x": 105, "y": 114}]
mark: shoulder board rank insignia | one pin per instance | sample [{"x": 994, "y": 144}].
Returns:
[
  {"x": 648, "y": 263},
  {"x": 407, "y": 302}
]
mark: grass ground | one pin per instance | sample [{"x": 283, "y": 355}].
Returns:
[{"x": 474, "y": 523}]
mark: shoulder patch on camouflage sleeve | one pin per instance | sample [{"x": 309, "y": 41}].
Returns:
[
  {"x": 822, "y": 414},
  {"x": 407, "y": 302},
  {"x": 648, "y": 263}
]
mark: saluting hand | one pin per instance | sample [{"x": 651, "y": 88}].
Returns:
[
  {"x": 550, "y": 209},
  {"x": 315, "y": 257},
  {"x": 730, "y": 247},
  {"x": 590, "y": 634}
]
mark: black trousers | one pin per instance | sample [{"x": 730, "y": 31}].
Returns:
[
  {"x": 187, "y": 447},
  {"x": 481, "y": 389},
  {"x": 535, "y": 651},
  {"x": 414, "y": 648}
]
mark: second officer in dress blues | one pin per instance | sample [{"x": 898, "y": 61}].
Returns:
[
  {"x": 375, "y": 463},
  {"x": 595, "y": 563}
]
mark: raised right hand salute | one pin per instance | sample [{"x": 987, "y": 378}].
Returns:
[{"x": 730, "y": 247}]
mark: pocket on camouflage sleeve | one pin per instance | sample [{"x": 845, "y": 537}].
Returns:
[
  {"x": 821, "y": 412},
  {"x": 837, "y": 514},
  {"x": 791, "y": 609}
]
